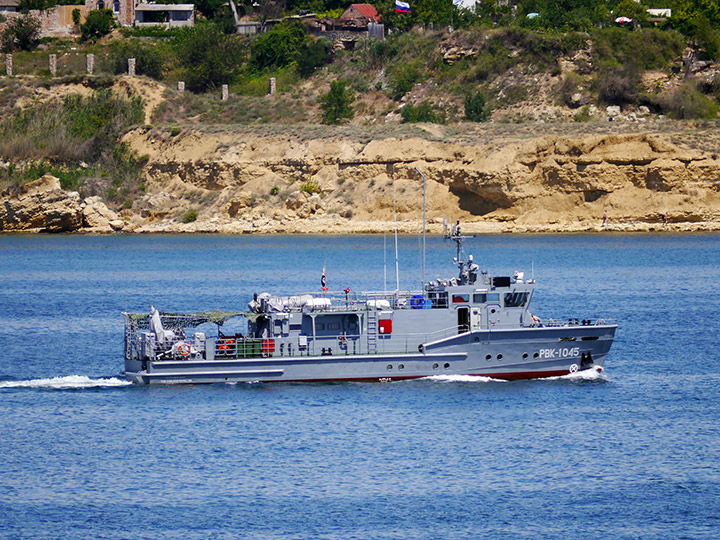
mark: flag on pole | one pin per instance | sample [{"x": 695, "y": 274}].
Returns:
[
  {"x": 402, "y": 7},
  {"x": 323, "y": 280}
]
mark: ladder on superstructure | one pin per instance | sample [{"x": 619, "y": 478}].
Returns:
[{"x": 372, "y": 329}]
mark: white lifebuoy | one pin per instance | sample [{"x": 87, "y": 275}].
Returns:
[
  {"x": 573, "y": 368},
  {"x": 184, "y": 349}
]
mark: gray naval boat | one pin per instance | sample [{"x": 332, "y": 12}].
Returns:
[{"x": 473, "y": 324}]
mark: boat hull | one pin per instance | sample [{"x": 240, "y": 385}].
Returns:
[{"x": 502, "y": 354}]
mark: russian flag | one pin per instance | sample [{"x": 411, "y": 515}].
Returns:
[{"x": 402, "y": 7}]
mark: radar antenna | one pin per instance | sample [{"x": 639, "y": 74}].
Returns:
[{"x": 464, "y": 265}]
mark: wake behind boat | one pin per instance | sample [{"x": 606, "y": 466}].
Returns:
[{"x": 473, "y": 324}]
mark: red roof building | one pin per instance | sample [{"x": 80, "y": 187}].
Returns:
[{"x": 360, "y": 13}]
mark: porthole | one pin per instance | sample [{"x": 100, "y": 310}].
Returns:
[
  {"x": 488, "y": 357},
  {"x": 446, "y": 365},
  {"x": 499, "y": 356},
  {"x": 389, "y": 367},
  {"x": 535, "y": 355},
  {"x": 435, "y": 366},
  {"x": 525, "y": 355},
  {"x": 401, "y": 366}
]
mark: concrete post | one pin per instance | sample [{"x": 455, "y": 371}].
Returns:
[
  {"x": 90, "y": 63},
  {"x": 131, "y": 67},
  {"x": 224, "y": 92},
  {"x": 8, "y": 65},
  {"x": 53, "y": 64},
  {"x": 272, "y": 85},
  {"x": 181, "y": 86}
]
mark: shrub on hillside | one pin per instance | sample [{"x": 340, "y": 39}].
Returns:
[
  {"x": 207, "y": 57},
  {"x": 312, "y": 54},
  {"x": 475, "y": 108},
  {"x": 421, "y": 113},
  {"x": 98, "y": 23},
  {"x": 148, "y": 60},
  {"x": 402, "y": 78},
  {"x": 20, "y": 34},
  {"x": 618, "y": 86},
  {"x": 337, "y": 103},
  {"x": 687, "y": 102}
]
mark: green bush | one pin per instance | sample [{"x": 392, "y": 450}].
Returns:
[
  {"x": 687, "y": 102},
  {"x": 208, "y": 57},
  {"x": 475, "y": 108},
  {"x": 312, "y": 54},
  {"x": 310, "y": 187},
  {"x": 190, "y": 216},
  {"x": 403, "y": 78},
  {"x": 337, "y": 103},
  {"x": 148, "y": 60},
  {"x": 20, "y": 34},
  {"x": 76, "y": 16},
  {"x": 279, "y": 47},
  {"x": 422, "y": 113},
  {"x": 98, "y": 23}
]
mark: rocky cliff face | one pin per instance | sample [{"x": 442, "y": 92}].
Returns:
[
  {"x": 541, "y": 184},
  {"x": 246, "y": 183},
  {"x": 42, "y": 206}
]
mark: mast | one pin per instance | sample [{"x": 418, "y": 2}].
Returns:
[{"x": 424, "y": 223}]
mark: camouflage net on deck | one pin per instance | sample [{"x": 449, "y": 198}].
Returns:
[{"x": 170, "y": 321}]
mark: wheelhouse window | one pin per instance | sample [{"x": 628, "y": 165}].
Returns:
[
  {"x": 516, "y": 299},
  {"x": 482, "y": 298},
  {"x": 460, "y": 298}
]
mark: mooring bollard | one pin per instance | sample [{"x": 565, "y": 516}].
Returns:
[
  {"x": 90, "y": 63},
  {"x": 8, "y": 65},
  {"x": 53, "y": 65},
  {"x": 131, "y": 67},
  {"x": 272, "y": 85},
  {"x": 224, "y": 92},
  {"x": 181, "y": 86}
]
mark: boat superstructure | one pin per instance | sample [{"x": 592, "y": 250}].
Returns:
[{"x": 471, "y": 324}]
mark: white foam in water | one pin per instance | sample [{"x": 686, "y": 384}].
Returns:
[
  {"x": 69, "y": 382},
  {"x": 463, "y": 378},
  {"x": 593, "y": 374}
]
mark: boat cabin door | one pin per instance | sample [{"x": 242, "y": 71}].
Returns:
[
  {"x": 492, "y": 314},
  {"x": 463, "y": 315},
  {"x": 475, "y": 319}
]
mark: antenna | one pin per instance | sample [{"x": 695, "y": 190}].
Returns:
[
  {"x": 397, "y": 264},
  {"x": 424, "y": 223},
  {"x": 385, "y": 261}
]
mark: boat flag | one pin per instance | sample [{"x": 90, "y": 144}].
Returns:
[
  {"x": 402, "y": 7},
  {"x": 323, "y": 280}
]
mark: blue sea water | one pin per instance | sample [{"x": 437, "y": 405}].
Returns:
[{"x": 633, "y": 453}]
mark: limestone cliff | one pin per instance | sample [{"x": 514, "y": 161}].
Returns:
[
  {"x": 239, "y": 183},
  {"x": 246, "y": 183}
]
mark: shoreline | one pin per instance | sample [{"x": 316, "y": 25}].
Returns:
[{"x": 378, "y": 228}]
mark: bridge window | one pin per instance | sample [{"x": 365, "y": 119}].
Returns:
[
  {"x": 516, "y": 299},
  {"x": 460, "y": 298},
  {"x": 481, "y": 298}
]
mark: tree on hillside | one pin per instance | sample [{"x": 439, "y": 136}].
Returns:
[
  {"x": 279, "y": 47},
  {"x": 98, "y": 23},
  {"x": 337, "y": 103},
  {"x": 207, "y": 56},
  {"x": 21, "y": 34}
]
